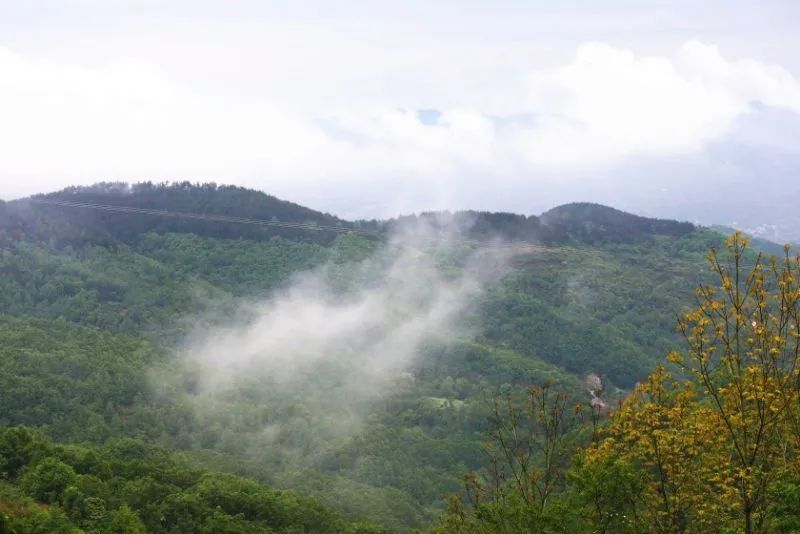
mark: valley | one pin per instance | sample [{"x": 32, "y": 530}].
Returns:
[{"x": 103, "y": 313}]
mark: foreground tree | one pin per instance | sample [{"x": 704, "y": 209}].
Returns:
[
  {"x": 675, "y": 444},
  {"x": 744, "y": 350},
  {"x": 713, "y": 449},
  {"x": 531, "y": 442}
]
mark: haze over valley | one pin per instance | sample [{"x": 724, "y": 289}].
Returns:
[{"x": 451, "y": 267}]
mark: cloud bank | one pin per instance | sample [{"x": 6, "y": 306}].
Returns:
[{"x": 606, "y": 104}]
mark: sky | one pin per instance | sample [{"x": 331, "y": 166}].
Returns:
[{"x": 680, "y": 109}]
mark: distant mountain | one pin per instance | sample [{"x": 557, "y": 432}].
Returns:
[
  {"x": 577, "y": 222},
  {"x": 595, "y": 223},
  {"x": 73, "y": 225}
]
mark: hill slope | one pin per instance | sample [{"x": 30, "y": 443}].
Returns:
[
  {"x": 594, "y": 223},
  {"x": 95, "y": 307},
  {"x": 83, "y": 226}
]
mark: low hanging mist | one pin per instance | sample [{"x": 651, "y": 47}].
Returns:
[{"x": 304, "y": 368}]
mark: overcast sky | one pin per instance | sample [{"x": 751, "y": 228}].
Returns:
[{"x": 373, "y": 108}]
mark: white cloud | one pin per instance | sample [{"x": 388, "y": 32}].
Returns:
[
  {"x": 128, "y": 120},
  {"x": 64, "y": 122},
  {"x": 608, "y": 103}
]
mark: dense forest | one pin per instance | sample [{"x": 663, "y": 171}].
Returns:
[{"x": 121, "y": 411}]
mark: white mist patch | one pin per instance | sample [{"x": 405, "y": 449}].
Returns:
[
  {"x": 309, "y": 323},
  {"x": 316, "y": 356}
]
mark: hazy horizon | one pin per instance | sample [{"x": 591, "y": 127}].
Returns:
[{"x": 671, "y": 110}]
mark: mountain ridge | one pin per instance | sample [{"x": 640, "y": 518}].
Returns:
[{"x": 578, "y": 222}]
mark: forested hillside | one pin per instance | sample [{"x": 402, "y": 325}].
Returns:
[
  {"x": 71, "y": 227},
  {"x": 103, "y": 314},
  {"x": 709, "y": 445}
]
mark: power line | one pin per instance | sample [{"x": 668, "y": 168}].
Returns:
[{"x": 205, "y": 217}]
